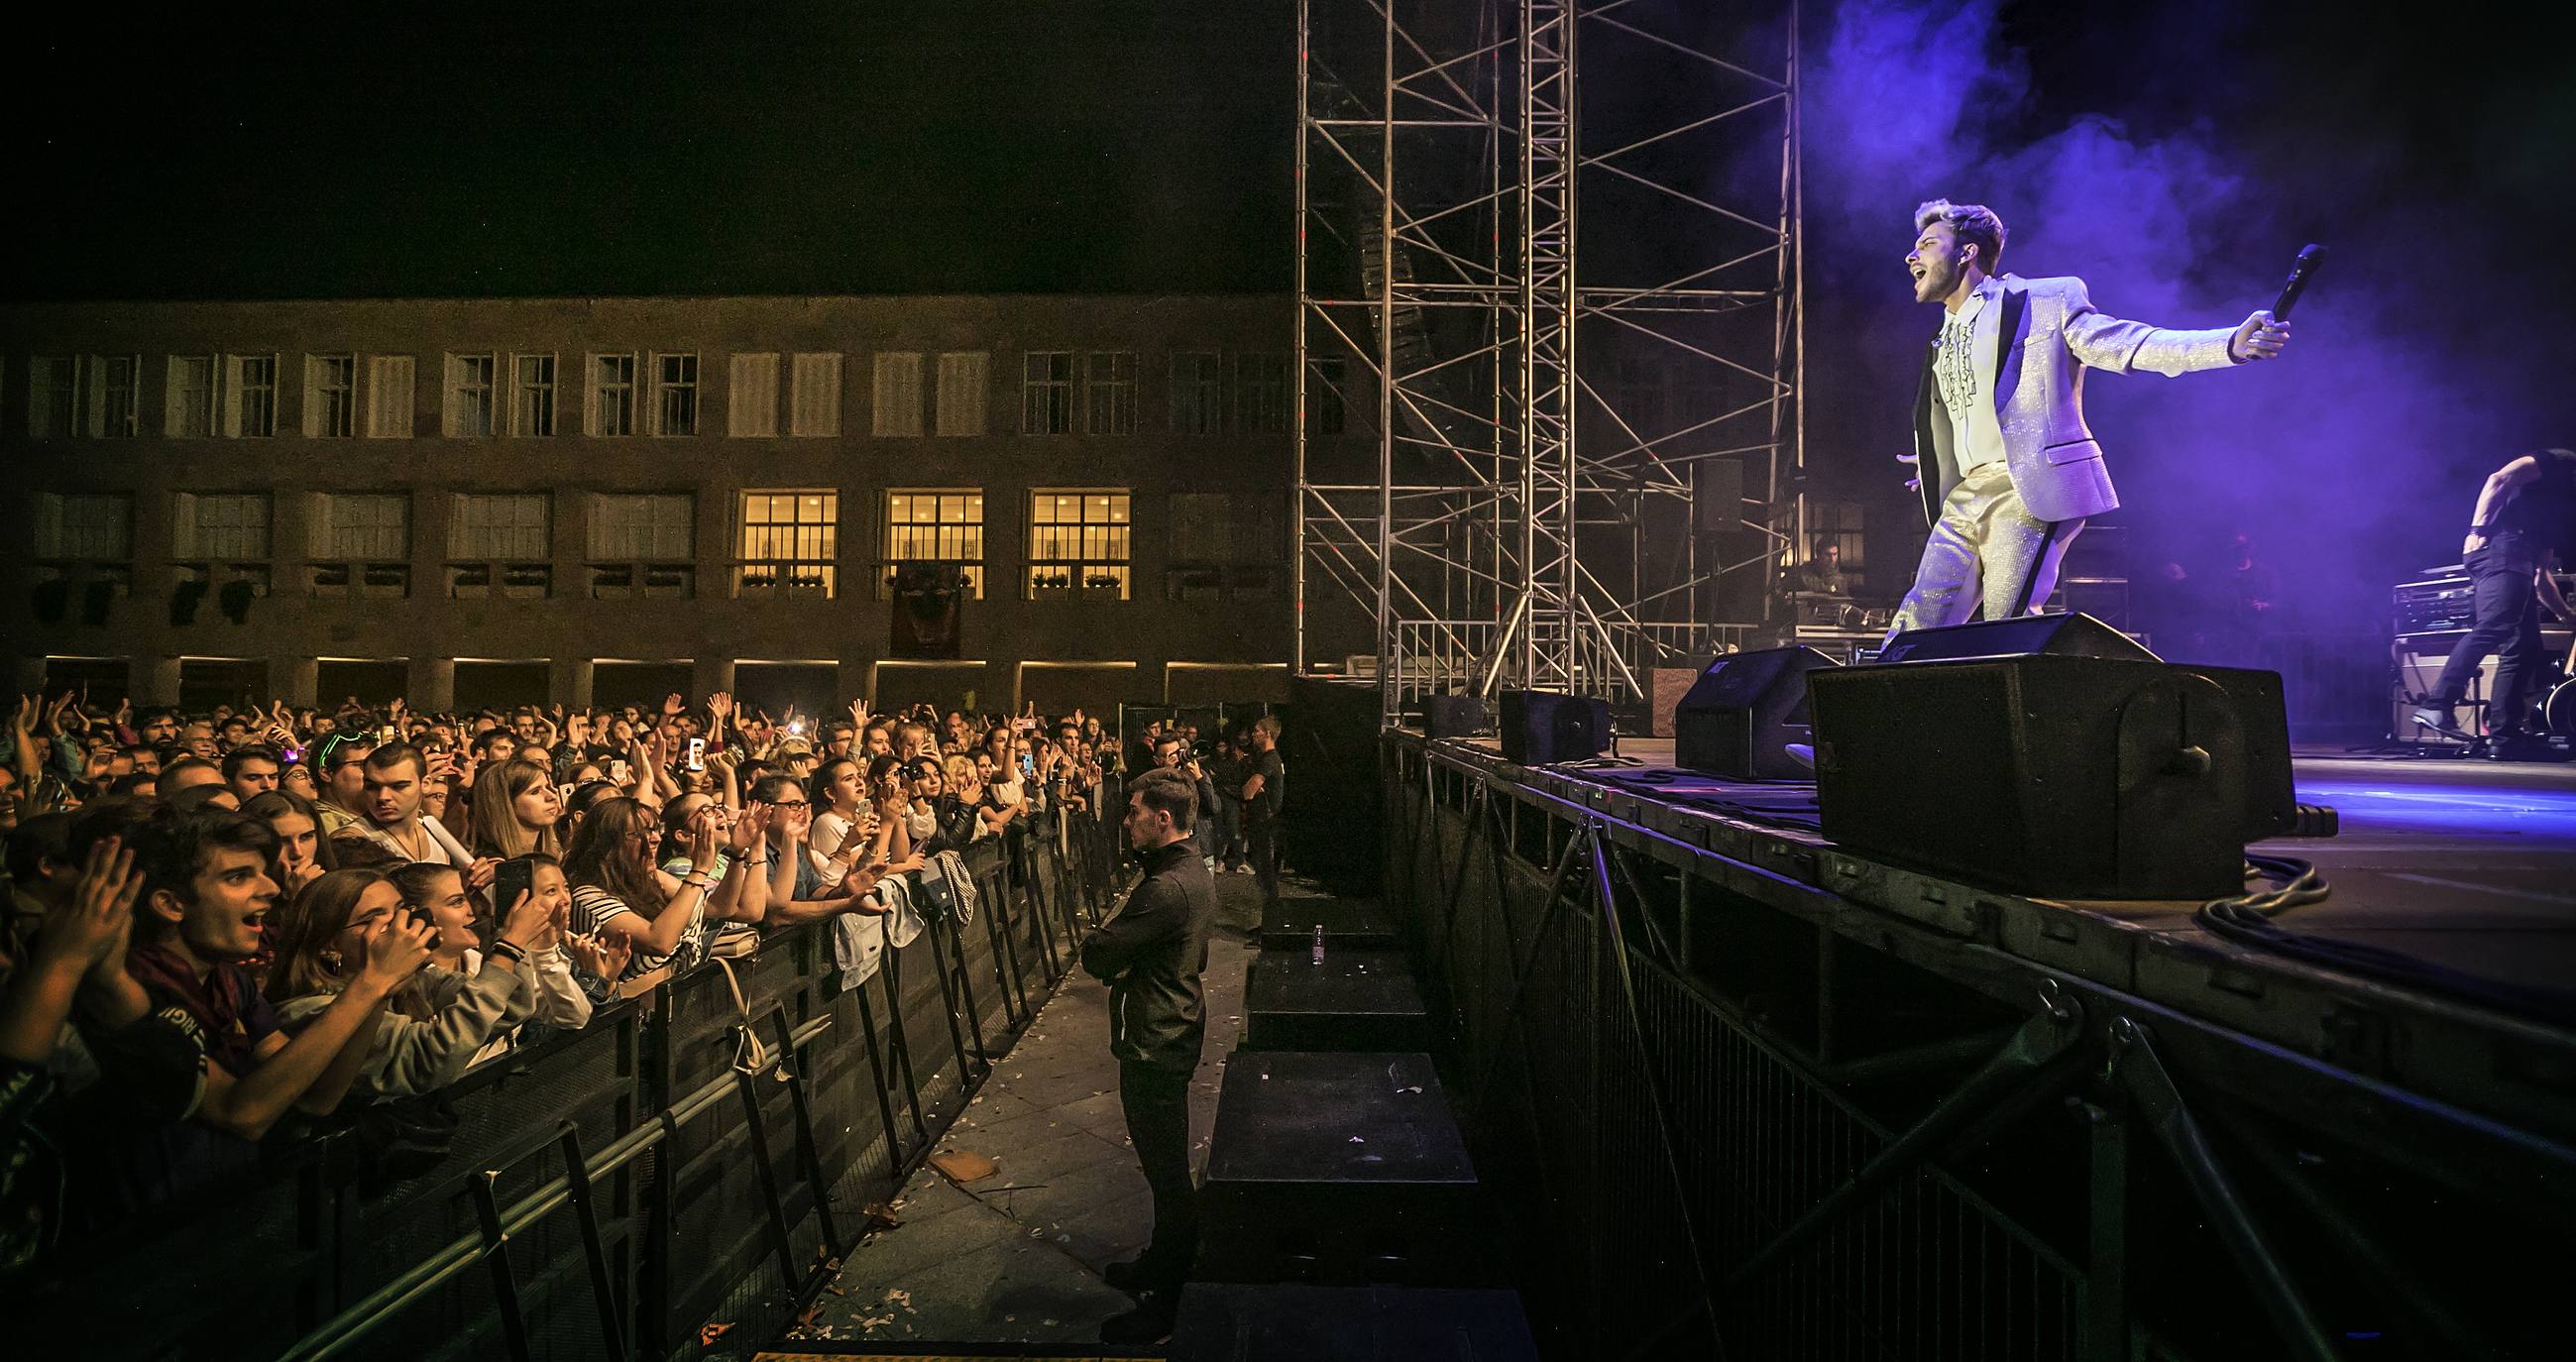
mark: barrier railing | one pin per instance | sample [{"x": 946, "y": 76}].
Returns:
[
  {"x": 1740, "y": 1115},
  {"x": 620, "y": 1191}
]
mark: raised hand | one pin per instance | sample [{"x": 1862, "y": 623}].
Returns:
[
  {"x": 720, "y": 705},
  {"x": 526, "y": 923},
  {"x": 672, "y": 704},
  {"x": 94, "y": 925},
  {"x": 396, "y": 949}
]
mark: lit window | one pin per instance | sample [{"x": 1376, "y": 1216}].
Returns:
[
  {"x": 230, "y": 526},
  {"x": 53, "y": 397},
  {"x": 789, "y": 543},
  {"x": 113, "y": 384},
  {"x": 1079, "y": 542},
  {"x": 939, "y": 526}
]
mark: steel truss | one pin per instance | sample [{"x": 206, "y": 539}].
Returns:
[{"x": 1579, "y": 316}]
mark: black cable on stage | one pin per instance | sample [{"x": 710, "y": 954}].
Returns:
[{"x": 2249, "y": 919}]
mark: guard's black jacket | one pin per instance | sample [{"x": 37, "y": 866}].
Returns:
[{"x": 1150, "y": 953}]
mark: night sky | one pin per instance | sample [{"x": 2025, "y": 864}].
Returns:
[{"x": 2175, "y": 154}]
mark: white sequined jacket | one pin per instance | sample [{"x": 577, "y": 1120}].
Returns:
[{"x": 2032, "y": 346}]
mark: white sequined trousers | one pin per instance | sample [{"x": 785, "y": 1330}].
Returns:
[{"x": 1986, "y": 549}]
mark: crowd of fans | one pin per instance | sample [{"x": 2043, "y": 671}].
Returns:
[{"x": 247, "y": 926}]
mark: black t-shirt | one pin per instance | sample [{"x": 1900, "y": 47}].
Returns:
[
  {"x": 2545, "y": 510},
  {"x": 1274, "y": 787}
]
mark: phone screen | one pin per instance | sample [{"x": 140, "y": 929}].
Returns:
[
  {"x": 384, "y": 735},
  {"x": 513, "y": 879},
  {"x": 697, "y": 754}
]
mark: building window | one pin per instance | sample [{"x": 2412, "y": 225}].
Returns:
[
  {"x": 500, "y": 525},
  {"x": 942, "y": 526},
  {"x": 898, "y": 393},
  {"x": 659, "y": 526},
  {"x": 815, "y": 400},
  {"x": 612, "y": 390},
  {"x": 751, "y": 397},
  {"x": 789, "y": 543},
  {"x": 250, "y": 396},
  {"x": 330, "y": 397},
  {"x": 363, "y": 527},
  {"x": 113, "y": 385},
  {"x": 532, "y": 405},
  {"x": 85, "y": 527},
  {"x": 1261, "y": 389},
  {"x": 643, "y": 544},
  {"x": 470, "y": 409},
  {"x": 389, "y": 397},
  {"x": 1046, "y": 392},
  {"x": 675, "y": 394},
  {"x": 1226, "y": 528},
  {"x": 222, "y": 526},
  {"x": 1109, "y": 392},
  {"x": 362, "y": 544},
  {"x": 1198, "y": 392},
  {"x": 190, "y": 413},
  {"x": 1078, "y": 542},
  {"x": 1325, "y": 413},
  {"x": 500, "y": 544},
  {"x": 961, "y": 393},
  {"x": 53, "y": 397}
]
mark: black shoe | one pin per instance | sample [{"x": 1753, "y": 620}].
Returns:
[
  {"x": 1149, "y": 1322},
  {"x": 2437, "y": 718}
]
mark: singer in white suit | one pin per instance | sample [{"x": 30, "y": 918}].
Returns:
[{"x": 2007, "y": 468}]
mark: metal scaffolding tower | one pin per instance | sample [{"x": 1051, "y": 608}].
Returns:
[{"x": 1581, "y": 457}]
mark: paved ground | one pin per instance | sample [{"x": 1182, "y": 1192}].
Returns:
[{"x": 1016, "y": 1257}]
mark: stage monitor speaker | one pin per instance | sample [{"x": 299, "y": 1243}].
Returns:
[
  {"x": 1455, "y": 716},
  {"x": 2020, "y": 636},
  {"x": 1542, "y": 727},
  {"x": 2054, "y": 776},
  {"x": 1744, "y": 711}
]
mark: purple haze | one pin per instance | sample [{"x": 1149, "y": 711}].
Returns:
[{"x": 2353, "y": 460}]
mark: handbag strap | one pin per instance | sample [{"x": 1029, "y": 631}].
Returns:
[{"x": 749, "y": 1054}]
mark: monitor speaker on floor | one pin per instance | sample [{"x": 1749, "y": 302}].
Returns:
[
  {"x": 2053, "y": 775},
  {"x": 2019, "y": 636},
  {"x": 1542, "y": 727},
  {"x": 1743, "y": 712},
  {"x": 1455, "y": 716}
]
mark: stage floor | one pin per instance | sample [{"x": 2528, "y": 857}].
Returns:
[{"x": 2470, "y": 865}]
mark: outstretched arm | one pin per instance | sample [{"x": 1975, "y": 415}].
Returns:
[{"x": 2104, "y": 342}]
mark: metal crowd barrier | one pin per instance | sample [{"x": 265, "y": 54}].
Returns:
[{"x": 621, "y": 1191}]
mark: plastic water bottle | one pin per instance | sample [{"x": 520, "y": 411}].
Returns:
[{"x": 1319, "y": 943}]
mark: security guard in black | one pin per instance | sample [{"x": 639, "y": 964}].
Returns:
[{"x": 1151, "y": 953}]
